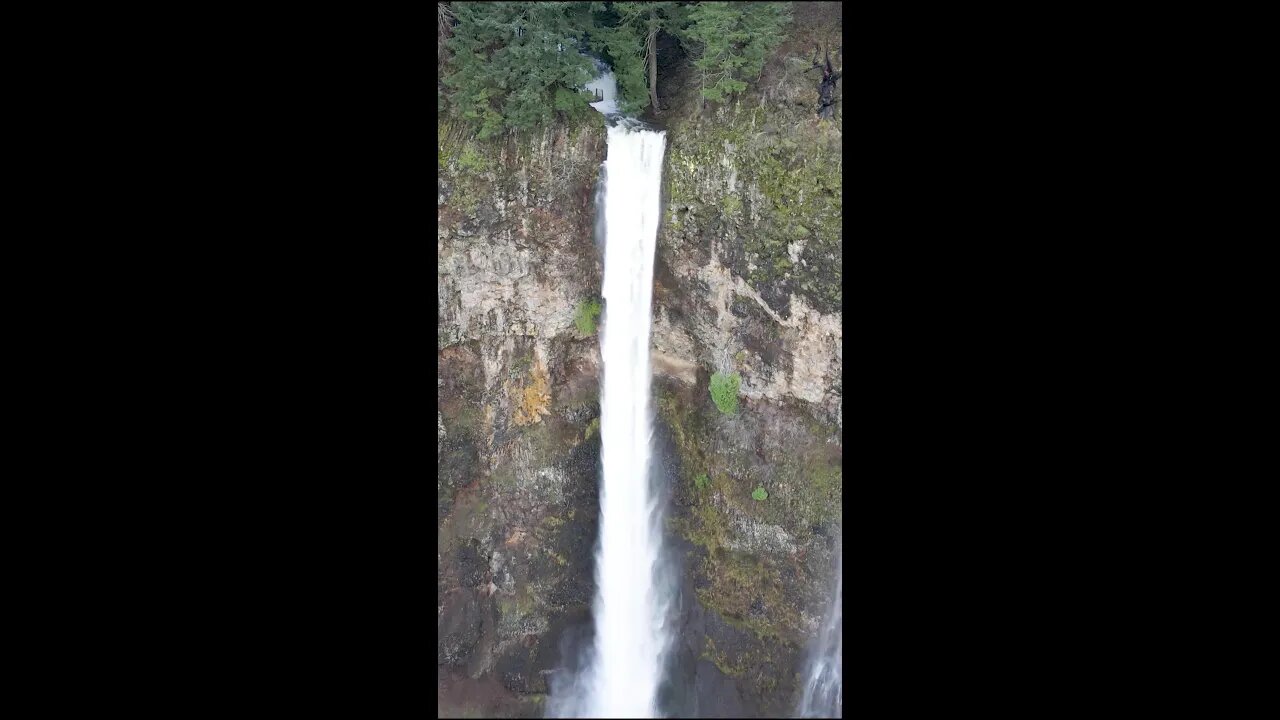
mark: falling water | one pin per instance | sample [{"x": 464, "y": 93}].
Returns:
[
  {"x": 823, "y": 693},
  {"x": 624, "y": 668},
  {"x": 605, "y": 87}
]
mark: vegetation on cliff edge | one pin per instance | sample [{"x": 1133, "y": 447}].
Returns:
[{"x": 510, "y": 66}]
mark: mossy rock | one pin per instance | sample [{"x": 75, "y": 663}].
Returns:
[{"x": 797, "y": 177}]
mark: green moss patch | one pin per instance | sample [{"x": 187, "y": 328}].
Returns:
[{"x": 738, "y": 582}]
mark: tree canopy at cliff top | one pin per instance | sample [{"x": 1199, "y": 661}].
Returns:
[{"x": 520, "y": 65}]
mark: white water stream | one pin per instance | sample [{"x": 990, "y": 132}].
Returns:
[
  {"x": 631, "y": 637},
  {"x": 624, "y": 666},
  {"x": 823, "y": 693}
]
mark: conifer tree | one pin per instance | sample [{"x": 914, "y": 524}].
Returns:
[
  {"x": 618, "y": 41},
  {"x": 731, "y": 41},
  {"x": 520, "y": 65},
  {"x": 516, "y": 65},
  {"x": 639, "y": 23}
]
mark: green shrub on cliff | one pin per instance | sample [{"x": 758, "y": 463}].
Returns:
[
  {"x": 702, "y": 481},
  {"x": 471, "y": 160},
  {"x": 585, "y": 317},
  {"x": 724, "y": 392},
  {"x": 759, "y": 493}
]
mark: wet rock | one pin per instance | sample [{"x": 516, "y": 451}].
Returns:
[
  {"x": 514, "y": 672},
  {"x": 715, "y": 694},
  {"x": 458, "y": 464},
  {"x": 458, "y": 628},
  {"x": 473, "y": 565}
]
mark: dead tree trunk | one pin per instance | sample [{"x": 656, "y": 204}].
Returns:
[
  {"x": 444, "y": 20},
  {"x": 652, "y": 45}
]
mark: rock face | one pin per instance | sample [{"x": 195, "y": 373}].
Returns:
[
  {"x": 751, "y": 253},
  {"x": 518, "y": 383},
  {"x": 747, "y": 281}
]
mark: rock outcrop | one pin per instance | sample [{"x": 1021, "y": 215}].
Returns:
[{"x": 518, "y": 382}]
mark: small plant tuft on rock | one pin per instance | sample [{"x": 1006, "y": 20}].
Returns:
[
  {"x": 585, "y": 317},
  {"x": 724, "y": 392},
  {"x": 760, "y": 493},
  {"x": 702, "y": 481}
]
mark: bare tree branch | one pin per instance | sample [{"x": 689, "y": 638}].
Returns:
[{"x": 445, "y": 17}]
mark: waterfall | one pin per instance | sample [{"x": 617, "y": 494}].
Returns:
[
  {"x": 823, "y": 693},
  {"x": 630, "y": 614},
  {"x": 624, "y": 666},
  {"x": 605, "y": 88}
]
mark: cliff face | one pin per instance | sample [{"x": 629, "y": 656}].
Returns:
[
  {"x": 747, "y": 281},
  {"x": 519, "y": 405}
]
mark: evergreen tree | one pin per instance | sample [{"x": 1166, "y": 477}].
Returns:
[
  {"x": 731, "y": 41},
  {"x": 618, "y": 41},
  {"x": 516, "y": 65},
  {"x": 637, "y": 25}
]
